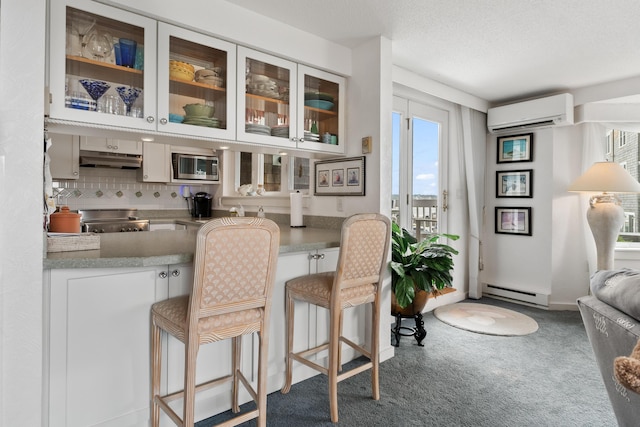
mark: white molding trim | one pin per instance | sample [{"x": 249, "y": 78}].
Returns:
[{"x": 410, "y": 79}]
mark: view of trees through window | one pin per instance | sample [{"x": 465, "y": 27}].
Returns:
[{"x": 622, "y": 147}]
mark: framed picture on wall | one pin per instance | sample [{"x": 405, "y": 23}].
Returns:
[
  {"x": 513, "y": 221},
  {"x": 515, "y": 148},
  {"x": 340, "y": 177},
  {"x": 514, "y": 183}
]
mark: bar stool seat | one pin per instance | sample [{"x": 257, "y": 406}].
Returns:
[
  {"x": 234, "y": 273},
  {"x": 364, "y": 246}
]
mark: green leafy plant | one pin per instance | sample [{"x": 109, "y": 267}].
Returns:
[{"x": 424, "y": 265}]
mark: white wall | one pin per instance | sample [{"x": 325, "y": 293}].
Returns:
[
  {"x": 228, "y": 21},
  {"x": 570, "y": 270},
  {"x": 521, "y": 262},
  {"x": 22, "y": 38}
]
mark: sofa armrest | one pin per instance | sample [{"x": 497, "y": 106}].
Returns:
[{"x": 612, "y": 333}]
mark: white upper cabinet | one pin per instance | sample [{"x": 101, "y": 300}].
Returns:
[
  {"x": 266, "y": 99},
  {"x": 198, "y": 72},
  {"x": 109, "y": 145},
  {"x": 288, "y": 105},
  {"x": 102, "y": 65},
  {"x": 113, "y": 69},
  {"x": 321, "y": 98}
]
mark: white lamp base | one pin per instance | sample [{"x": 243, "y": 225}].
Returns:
[{"x": 605, "y": 217}]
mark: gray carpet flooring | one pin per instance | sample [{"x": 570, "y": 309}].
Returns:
[{"x": 461, "y": 378}]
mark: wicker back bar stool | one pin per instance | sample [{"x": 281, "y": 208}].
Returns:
[
  {"x": 364, "y": 246},
  {"x": 230, "y": 298}
]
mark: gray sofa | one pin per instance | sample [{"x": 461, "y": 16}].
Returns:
[{"x": 611, "y": 317}]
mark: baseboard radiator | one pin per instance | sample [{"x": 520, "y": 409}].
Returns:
[{"x": 515, "y": 295}]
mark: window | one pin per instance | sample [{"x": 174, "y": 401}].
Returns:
[
  {"x": 623, "y": 149},
  {"x": 419, "y": 156}
]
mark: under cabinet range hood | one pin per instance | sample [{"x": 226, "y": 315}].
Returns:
[{"x": 110, "y": 160}]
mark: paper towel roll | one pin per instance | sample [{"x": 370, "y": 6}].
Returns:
[{"x": 296, "y": 209}]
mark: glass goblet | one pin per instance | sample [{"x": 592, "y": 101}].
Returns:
[
  {"x": 82, "y": 27},
  {"x": 128, "y": 95},
  {"x": 95, "y": 88},
  {"x": 100, "y": 46}
]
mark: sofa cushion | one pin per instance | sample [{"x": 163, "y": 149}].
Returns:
[{"x": 618, "y": 288}]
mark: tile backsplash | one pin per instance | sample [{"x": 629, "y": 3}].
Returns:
[{"x": 105, "y": 188}]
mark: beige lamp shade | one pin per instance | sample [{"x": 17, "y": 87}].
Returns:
[{"x": 607, "y": 177}]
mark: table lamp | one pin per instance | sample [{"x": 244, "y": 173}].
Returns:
[{"x": 605, "y": 215}]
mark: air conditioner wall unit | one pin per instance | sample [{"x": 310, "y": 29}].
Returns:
[{"x": 555, "y": 110}]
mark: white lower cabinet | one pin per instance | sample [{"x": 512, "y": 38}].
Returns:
[
  {"x": 311, "y": 325},
  {"x": 99, "y": 341}
]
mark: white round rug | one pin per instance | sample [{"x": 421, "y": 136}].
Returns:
[{"x": 486, "y": 319}]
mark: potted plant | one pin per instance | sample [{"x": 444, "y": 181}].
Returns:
[{"x": 418, "y": 269}]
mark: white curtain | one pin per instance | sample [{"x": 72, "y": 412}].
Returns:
[{"x": 472, "y": 129}]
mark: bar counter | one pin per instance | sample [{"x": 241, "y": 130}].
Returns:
[{"x": 165, "y": 247}]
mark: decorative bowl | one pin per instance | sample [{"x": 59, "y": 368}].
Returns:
[
  {"x": 318, "y": 95},
  {"x": 208, "y": 72},
  {"x": 199, "y": 110},
  {"x": 175, "y": 118},
  {"x": 180, "y": 64},
  {"x": 180, "y": 74},
  {"x": 318, "y": 103},
  {"x": 95, "y": 88},
  {"x": 211, "y": 80}
]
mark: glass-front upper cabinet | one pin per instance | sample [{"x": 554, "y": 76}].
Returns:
[
  {"x": 102, "y": 65},
  {"x": 289, "y": 105},
  {"x": 196, "y": 83},
  {"x": 321, "y": 97},
  {"x": 266, "y": 111}
]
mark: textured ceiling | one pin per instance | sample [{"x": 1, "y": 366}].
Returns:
[{"x": 498, "y": 50}]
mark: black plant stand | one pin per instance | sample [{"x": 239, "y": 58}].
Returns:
[{"x": 418, "y": 331}]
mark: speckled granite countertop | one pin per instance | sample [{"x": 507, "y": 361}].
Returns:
[{"x": 173, "y": 247}]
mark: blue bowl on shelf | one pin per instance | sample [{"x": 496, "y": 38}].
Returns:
[
  {"x": 319, "y": 103},
  {"x": 175, "y": 118}
]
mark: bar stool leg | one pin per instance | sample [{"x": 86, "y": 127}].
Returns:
[
  {"x": 236, "y": 351},
  {"x": 375, "y": 339},
  {"x": 339, "y": 343},
  {"x": 263, "y": 359},
  {"x": 191, "y": 346},
  {"x": 334, "y": 344},
  {"x": 289, "y": 314},
  {"x": 156, "y": 352}
]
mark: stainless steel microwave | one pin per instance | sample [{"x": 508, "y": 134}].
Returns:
[{"x": 195, "y": 167}]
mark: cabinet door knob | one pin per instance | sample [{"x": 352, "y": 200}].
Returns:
[
  {"x": 150, "y": 119},
  {"x": 294, "y": 139},
  {"x": 75, "y": 173},
  {"x": 175, "y": 273},
  {"x": 163, "y": 274},
  {"x": 163, "y": 121}
]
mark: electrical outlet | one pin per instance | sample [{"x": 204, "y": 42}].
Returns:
[{"x": 339, "y": 207}]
